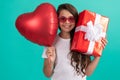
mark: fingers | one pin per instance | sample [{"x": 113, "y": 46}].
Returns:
[
  {"x": 50, "y": 51},
  {"x": 104, "y": 42}
]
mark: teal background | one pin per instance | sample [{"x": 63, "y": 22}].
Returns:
[{"x": 21, "y": 59}]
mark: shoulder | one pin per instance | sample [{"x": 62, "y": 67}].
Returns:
[{"x": 56, "y": 39}]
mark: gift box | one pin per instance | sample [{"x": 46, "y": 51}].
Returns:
[{"x": 90, "y": 28}]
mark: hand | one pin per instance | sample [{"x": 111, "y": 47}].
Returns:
[
  {"x": 104, "y": 42},
  {"x": 51, "y": 54}
]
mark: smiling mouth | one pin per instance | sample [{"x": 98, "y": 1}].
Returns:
[{"x": 67, "y": 26}]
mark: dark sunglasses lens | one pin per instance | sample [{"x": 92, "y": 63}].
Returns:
[
  {"x": 71, "y": 19},
  {"x": 62, "y": 19}
]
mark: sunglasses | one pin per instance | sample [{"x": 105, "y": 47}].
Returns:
[{"x": 63, "y": 19}]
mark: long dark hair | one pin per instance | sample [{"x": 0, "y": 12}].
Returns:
[{"x": 78, "y": 60}]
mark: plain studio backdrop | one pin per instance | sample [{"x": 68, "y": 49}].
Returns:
[{"x": 21, "y": 59}]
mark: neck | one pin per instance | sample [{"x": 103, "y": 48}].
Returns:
[{"x": 64, "y": 35}]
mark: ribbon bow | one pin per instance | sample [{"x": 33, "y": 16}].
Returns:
[{"x": 93, "y": 32}]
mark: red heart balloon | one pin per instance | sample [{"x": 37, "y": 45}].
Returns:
[{"x": 39, "y": 26}]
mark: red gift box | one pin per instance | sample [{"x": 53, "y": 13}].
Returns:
[{"x": 90, "y": 28}]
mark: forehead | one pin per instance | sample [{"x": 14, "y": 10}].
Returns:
[{"x": 65, "y": 13}]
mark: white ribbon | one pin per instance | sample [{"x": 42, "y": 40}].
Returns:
[{"x": 93, "y": 32}]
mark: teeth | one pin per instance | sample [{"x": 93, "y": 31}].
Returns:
[{"x": 66, "y": 26}]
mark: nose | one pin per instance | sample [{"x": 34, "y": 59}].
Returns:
[{"x": 67, "y": 21}]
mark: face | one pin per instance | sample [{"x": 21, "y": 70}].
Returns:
[{"x": 66, "y": 21}]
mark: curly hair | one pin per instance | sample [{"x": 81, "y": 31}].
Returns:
[{"x": 78, "y": 60}]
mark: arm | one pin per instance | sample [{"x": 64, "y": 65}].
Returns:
[
  {"x": 91, "y": 67},
  {"x": 49, "y": 61},
  {"x": 48, "y": 67}
]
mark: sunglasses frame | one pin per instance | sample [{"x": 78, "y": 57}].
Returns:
[{"x": 63, "y": 19}]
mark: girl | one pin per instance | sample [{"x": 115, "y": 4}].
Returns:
[{"x": 60, "y": 62}]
